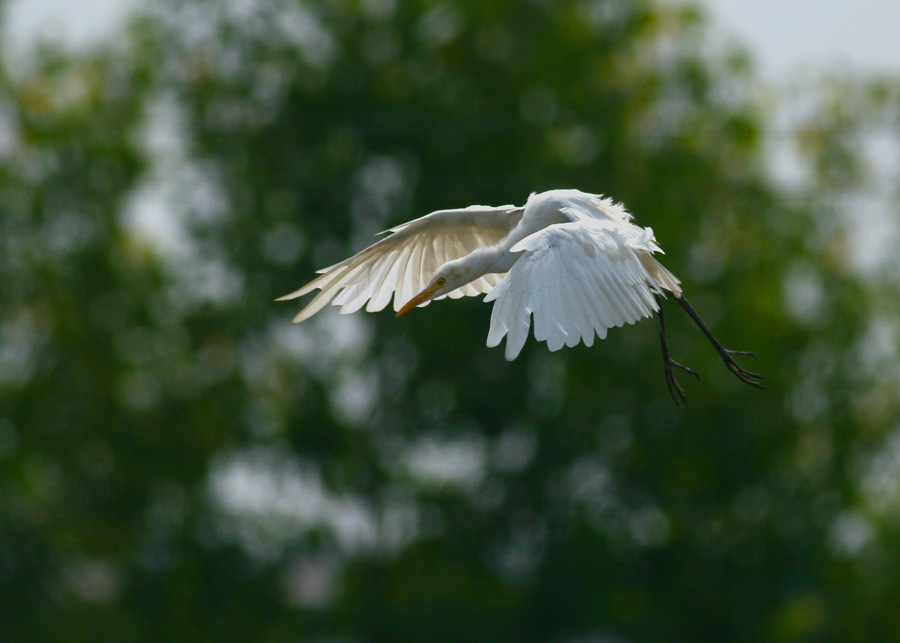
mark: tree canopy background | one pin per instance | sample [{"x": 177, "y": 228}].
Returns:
[{"x": 180, "y": 462}]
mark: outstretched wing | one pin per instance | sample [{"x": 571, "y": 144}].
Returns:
[
  {"x": 403, "y": 263},
  {"x": 578, "y": 279}
]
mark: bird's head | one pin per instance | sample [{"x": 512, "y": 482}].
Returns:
[{"x": 447, "y": 279}]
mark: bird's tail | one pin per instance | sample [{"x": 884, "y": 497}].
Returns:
[{"x": 661, "y": 275}]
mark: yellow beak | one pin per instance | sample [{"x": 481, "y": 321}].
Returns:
[{"x": 421, "y": 298}]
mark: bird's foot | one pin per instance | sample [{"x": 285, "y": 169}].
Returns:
[
  {"x": 675, "y": 389},
  {"x": 748, "y": 377}
]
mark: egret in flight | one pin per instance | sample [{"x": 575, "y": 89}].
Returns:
[{"x": 574, "y": 261}]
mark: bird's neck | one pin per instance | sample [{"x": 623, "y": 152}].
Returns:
[{"x": 490, "y": 259}]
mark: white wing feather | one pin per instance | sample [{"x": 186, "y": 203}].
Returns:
[
  {"x": 402, "y": 264},
  {"x": 577, "y": 279}
]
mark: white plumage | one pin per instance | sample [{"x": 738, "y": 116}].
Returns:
[
  {"x": 573, "y": 261},
  {"x": 577, "y": 279},
  {"x": 402, "y": 264}
]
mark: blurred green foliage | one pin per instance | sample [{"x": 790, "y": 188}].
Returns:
[{"x": 179, "y": 462}]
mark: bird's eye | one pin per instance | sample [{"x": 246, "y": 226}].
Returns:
[{"x": 441, "y": 281}]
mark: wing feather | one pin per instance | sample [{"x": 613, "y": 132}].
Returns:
[
  {"x": 586, "y": 315},
  {"x": 401, "y": 264},
  {"x": 577, "y": 279},
  {"x": 520, "y": 322},
  {"x": 594, "y": 294},
  {"x": 593, "y": 310},
  {"x": 380, "y": 297},
  {"x": 573, "y": 320},
  {"x": 541, "y": 325},
  {"x": 555, "y": 320},
  {"x": 404, "y": 289},
  {"x": 628, "y": 314}
]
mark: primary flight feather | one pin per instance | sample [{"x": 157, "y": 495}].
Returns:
[{"x": 573, "y": 261}]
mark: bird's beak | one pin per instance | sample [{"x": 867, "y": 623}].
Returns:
[{"x": 421, "y": 298}]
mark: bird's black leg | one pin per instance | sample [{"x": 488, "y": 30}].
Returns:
[
  {"x": 675, "y": 389},
  {"x": 727, "y": 355}
]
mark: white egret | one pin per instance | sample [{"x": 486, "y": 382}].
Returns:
[{"x": 572, "y": 260}]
